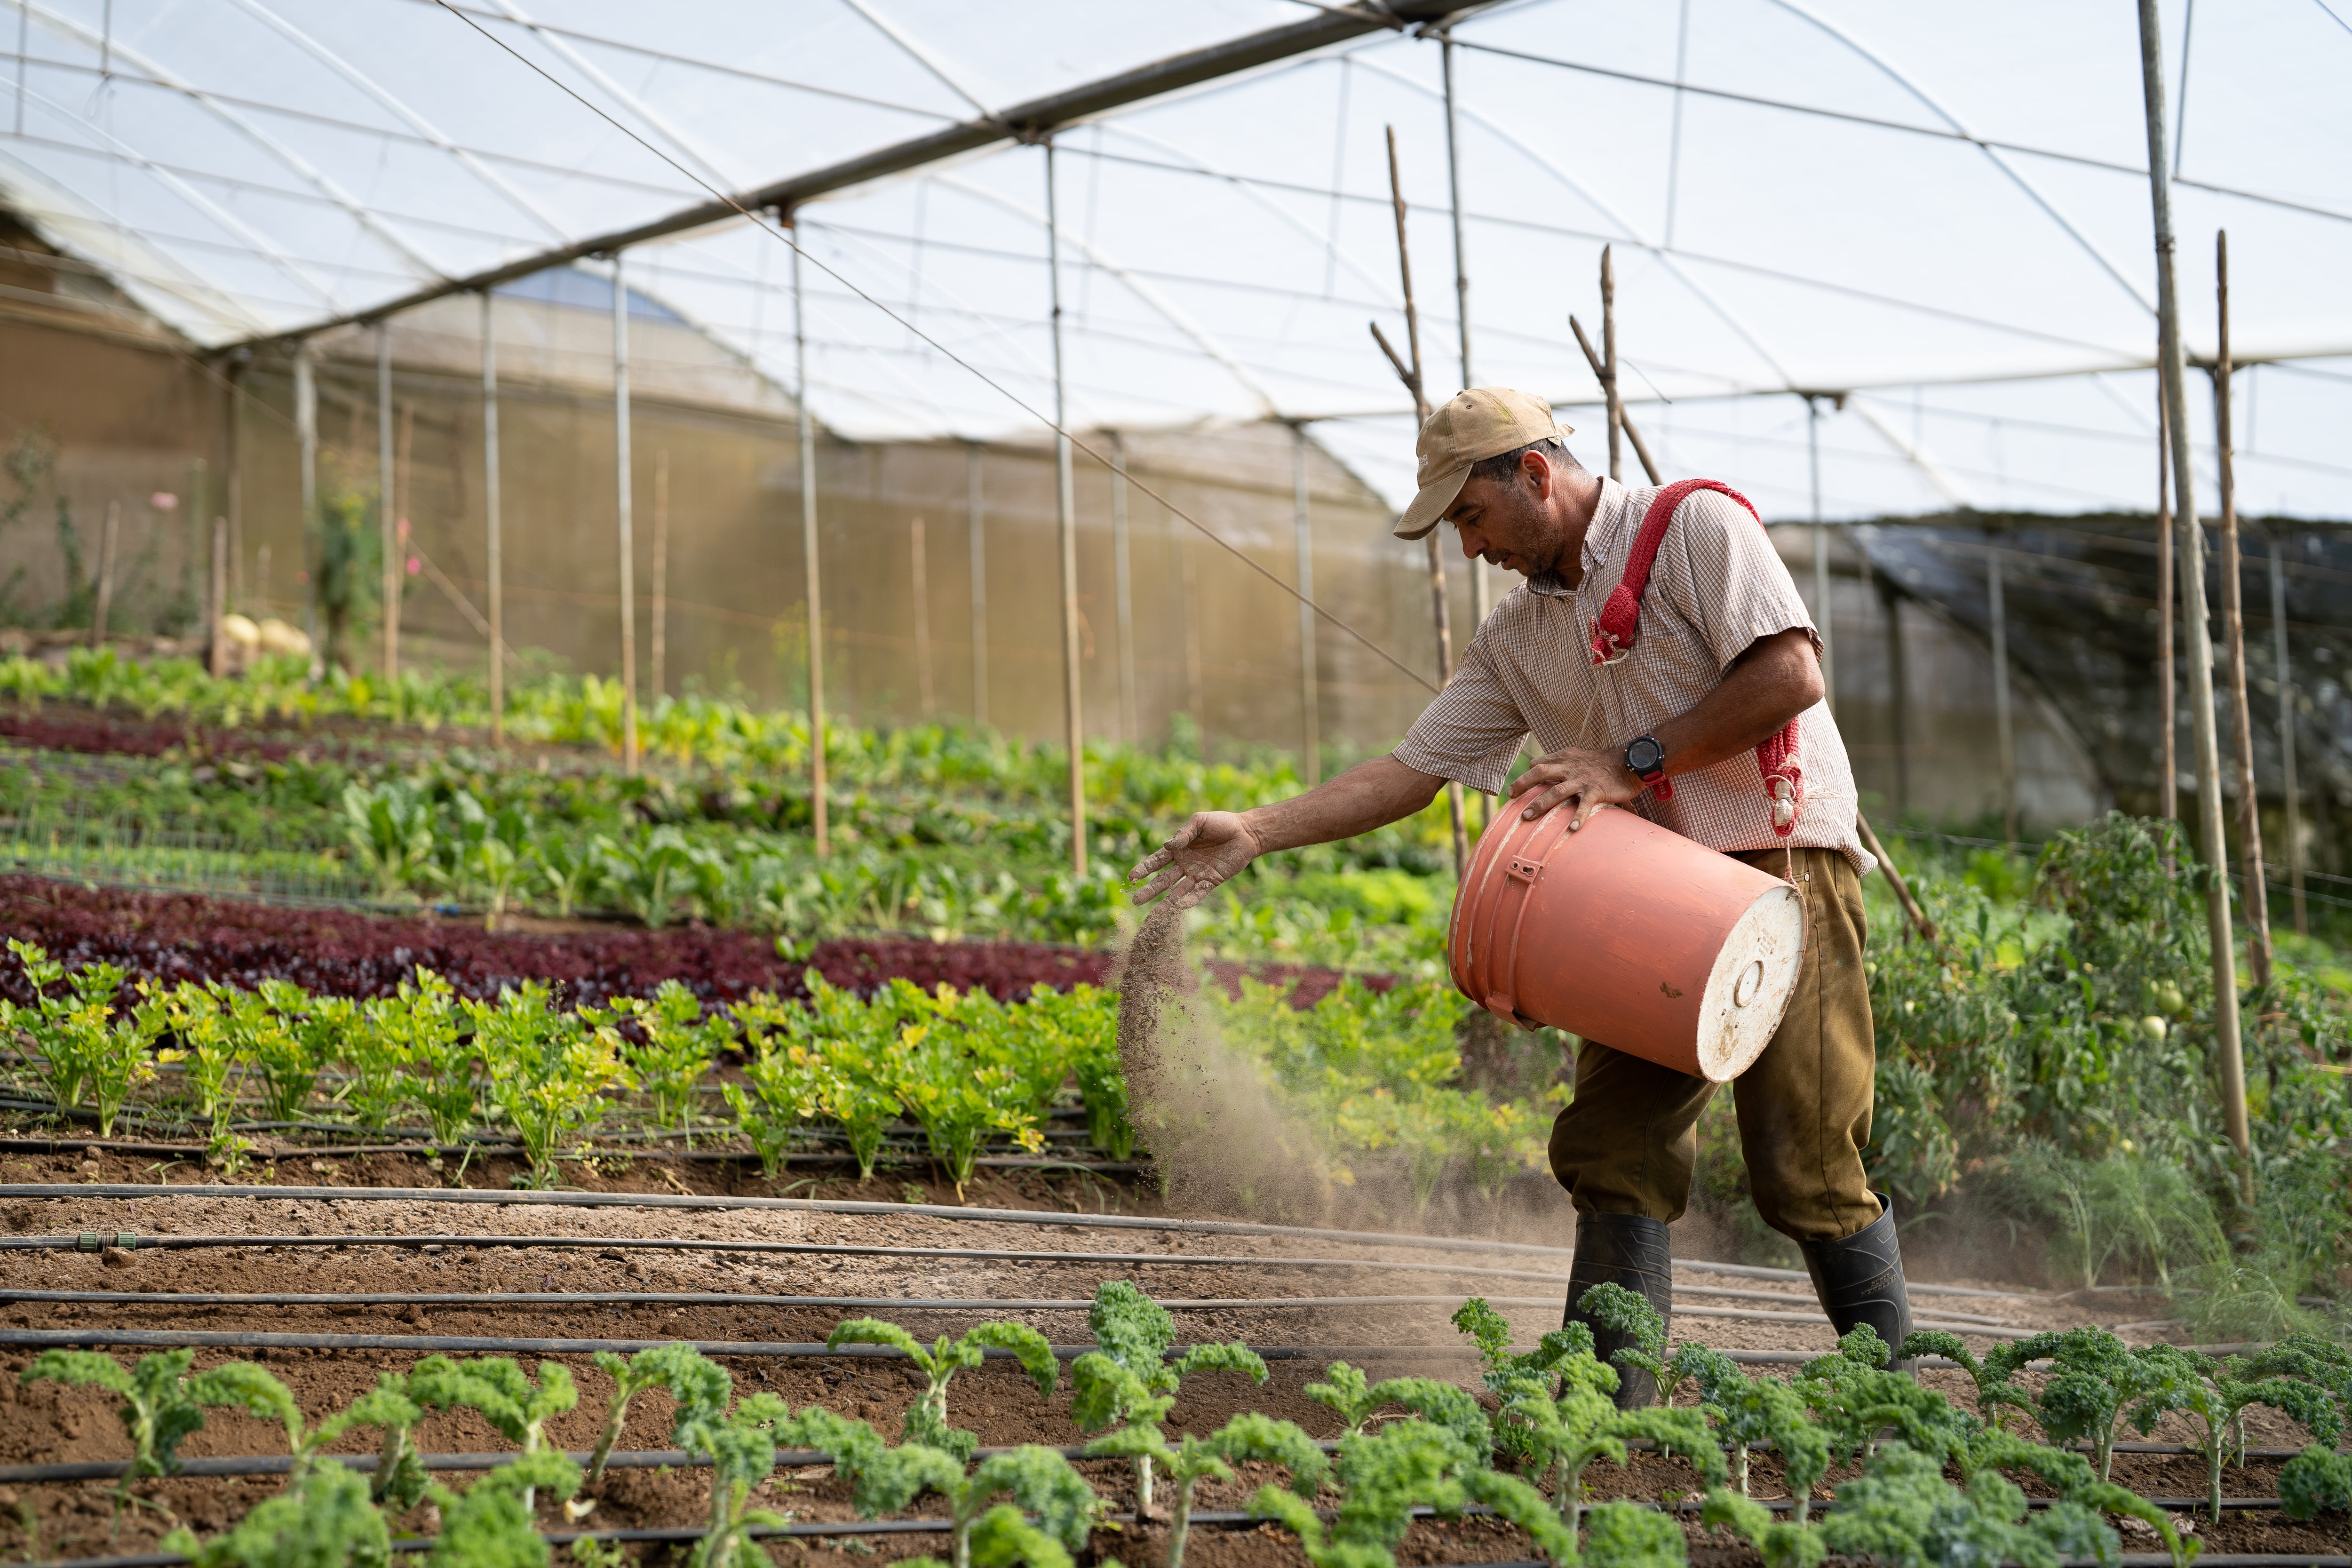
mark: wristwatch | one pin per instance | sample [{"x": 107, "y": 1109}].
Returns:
[{"x": 1647, "y": 760}]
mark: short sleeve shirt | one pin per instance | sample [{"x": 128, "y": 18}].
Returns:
[{"x": 1717, "y": 587}]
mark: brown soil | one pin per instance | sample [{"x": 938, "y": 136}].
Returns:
[{"x": 45, "y": 1423}]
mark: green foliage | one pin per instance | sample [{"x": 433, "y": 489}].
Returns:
[
  {"x": 926, "y": 1418},
  {"x": 1128, "y": 1380},
  {"x": 1246, "y": 1438},
  {"x": 328, "y": 1522},
  {"x": 2096, "y": 1380},
  {"x": 1038, "y": 1481},
  {"x": 85, "y": 1053},
  {"x": 1623, "y": 1312},
  {"x": 550, "y": 1072},
  {"x": 2319, "y": 1478},
  {"x": 1446, "y": 1405},
  {"x": 389, "y": 829},
  {"x": 161, "y": 1404},
  {"x": 492, "y": 1524},
  {"x": 1752, "y": 1410},
  {"x": 674, "y": 1049},
  {"x": 1384, "y": 1476},
  {"x": 507, "y": 1396},
  {"x": 1902, "y": 1511},
  {"x": 700, "y": 1386},
  {"x": 741, "y": 1447}
]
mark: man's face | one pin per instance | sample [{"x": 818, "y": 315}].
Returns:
[{"x": 1507, "y": 520}]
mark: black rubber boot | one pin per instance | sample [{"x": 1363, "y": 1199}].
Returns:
[
  {"x": 1859, "y": 1280},
  {"x": 1629, "y": 1250}
]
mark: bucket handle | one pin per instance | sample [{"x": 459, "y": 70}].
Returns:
[{"x": 1523, "y": 866}]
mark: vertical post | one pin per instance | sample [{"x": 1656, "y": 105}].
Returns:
[
  {"x": 1481, "y": 591},
  {"x": 1066, "y": 516},
  {"x": 1310, "y": 685},
  {"x": 1898, "y": 688},
  {"x": 623, "y": 503},
  {"x": 2005, "y": 736},
  {"x": 920, "y": 589},
  {"x": 2191, "y": 569},
  {"x": 105, "y": 586},
  {"x": 216, "y": 603},
  {"x": 235, "y": 398},
  {"x": 976, "y": 521},
  {"x": 1131, "y": 717},
  {"x": 660, "y": 606},
  {"x": 2284, "y": 672},
  {"x": 492, "y": 563},
  {"x": 1442, "y": 612},
  {"x": 305, "y": 442},
  {"x": 387, "y": 510},
  {"x": 1820, "y": 556},
  {"x": 810, "y": 561},
  {"x": 2168, "y": 790},
  {"x": 1609, "y": 365},
  {"x": 2233, "y": 627},
  {"x": 1196, "y": 701}
]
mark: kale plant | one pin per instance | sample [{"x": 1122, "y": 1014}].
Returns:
[
  {"x": 1128, "y": 1380},
  {"x": 927, "y": 1419},
  {"x": 1247, "y": 1437},
  {"x": 1752, "y": 1410},
  {"x": 1354, "y": 1398},
  {"x": 701, "y": 1387},
  {"x": 1384, "y": 1476}
]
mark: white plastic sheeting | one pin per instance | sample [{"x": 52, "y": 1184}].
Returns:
[{"x": 1940, "y": 213}]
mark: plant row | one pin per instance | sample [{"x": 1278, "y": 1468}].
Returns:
[
  {"x": 1372, "y": 1075},
  {"x": 1549, "y": 1417}
]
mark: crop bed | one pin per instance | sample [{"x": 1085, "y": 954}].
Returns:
[{"x": 353, "y": 1286}]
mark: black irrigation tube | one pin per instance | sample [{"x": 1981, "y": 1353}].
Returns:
[
  {"x": 62, "y": 1191},
  {"x": 885, "y": 1304}
]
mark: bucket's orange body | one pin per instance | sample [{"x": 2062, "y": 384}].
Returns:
[{"x": 1629, "y": 934}]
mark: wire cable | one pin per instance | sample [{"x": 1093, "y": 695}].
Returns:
[{"x": 777, "y": 232}]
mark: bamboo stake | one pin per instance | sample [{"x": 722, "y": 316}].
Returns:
[
  {"x": 387, "y": 507},
  {"x": 1066, "y": 518},
  {"x": 976, "y": 529},
  {"x": 1624, "y": 419},
  {"x": 623, "y": 504},
  {"x": 661, "y": 605},
  {"x": 2168, "y": 792},
  {"x": 2233, "y": 624},
  {"x": 2229, "y": 1047},
  {"x": 1415, "y": 383},
  {"x": 1919, "y": 920},
  {"x": 920, "y": 589},
  {"x": 810, "y": 564},
  {"x": 105, "y": 586},
  {"x": 494, "y": 561},
  {"x": 1609, "y": 366},
  {"x": 2284, "y": 672}
]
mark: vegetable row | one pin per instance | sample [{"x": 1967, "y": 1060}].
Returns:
[{"x": 1522, "y": 1452}]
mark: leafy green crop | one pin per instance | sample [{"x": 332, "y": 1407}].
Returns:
[
  {"x": 1446, "y": 1405},
  {"x": 2213, "y": 1397},
  {"x": 1038, "y": 1481},
  {"x": 1384, "y": 1476},
  {"x": 492, "y": 1523},
  {"x": 326, "y": 1522},
  {"x": 1752, "y": 1410},
  {"x": 162, "y": 1402},
  {"x": 86, "y": 1055},
  {"x": 1128, "y": 1380},
  {"x": 549, "y": 1072},
  {"x": 926, "y": 1418},
  {"x": 701, "y": 1387},
  {"x": 677, "y": 1048},
  {"x": 1624, "y": 1311},
  {"x": 2097, "y": 1378},
  {"x": 1247, "y": 1437},
  {"x": 1902, "y": 1511}
]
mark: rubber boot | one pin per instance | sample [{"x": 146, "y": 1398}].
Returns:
[
  {"x": 1859, "y": 1280},
  {"x": 1629, "y": 1250}
]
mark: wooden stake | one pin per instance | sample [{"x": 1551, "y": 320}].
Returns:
[
  {"x": 661, "y": 605},
  {"x": 2284, "y": 671},
  {"x": 216, "y": 602},
  {"x": 1415, "y": 383},
  {"x": 2168, "y": 789},
  {"x": 1609, "y": 366},
  {"x": 921, "y": 590},
  {"x": 2233, "y": 628},
  {"x": 105, "y": 586},
  {"x": 1624, "y": 420},
  {"x": 1919, "y": 920}
]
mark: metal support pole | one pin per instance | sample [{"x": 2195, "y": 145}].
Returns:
[
  {"x": 493, "y": 562},
  {"x": 1131, "y": 718},
  {"x": 387, "y": 507},
  {"x": 1820, "y": 556},
  {"x": 2284, "y": 672},
  {"x": 2168, "y": 792},
  {"x": 2229, "y": 1047},
  {"x": 624, "y": 509},
  {"x": 976, "y": 524},
  {"x": 1482, "y": 590},
  {"x": 810, "y": 561},
  {"x": 1311, "y": 684},
  {"x": 2233, "y": 629},
  {"x": 1609, "y": 365},
  {"x": 661, "y": 605},
  {"x": 2005, "y": 735},
  {"x": 306, "y": 441},
  {"x": 1066, "y": 516}
]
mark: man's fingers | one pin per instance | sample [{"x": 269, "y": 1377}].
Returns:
[
  {"x": 1159, "y": 885},
  {"x": 1150, "y": 863},
  {"x": 1551, "y": 798}
]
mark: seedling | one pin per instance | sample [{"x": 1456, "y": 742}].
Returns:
[
  {"x": 959, "y": 1097},
  {"x": 784, "y": 1092},
  {"x": 1128, "y": 1380},
  {"x": 2097, "y": 1379},
  {"x": 1567, "y": 1433},
  {"x": 1624, "y": 1311},
  {"x": 1384, "y": 1476},
  {"x": 927, "y": 1419},
  {"x": 2317, "y": 1478},
  {"x": 677, "y": 1050},
  {"x": 86, "y": 1054},
  {"x": 1508, "y": 1373},
  {"x": 701, "y": 1387},
  {"x": 1902, "y": 1509},
  {"x": 493, "y": 1521},
  {"x": 742, "y": 1449},
  {"x": 505, "y": 1395},
  {"x": 2214, "y": 1397},
  {"x": 1751, "y": 1410},
  {"x": 1245, "y": 1438},
  {"x": 1854, "y": 1398},
  {"x": 2069, "y": 1473},
  {"x": 1996, "y": 1395},
  {"x": 437, "y": 1062},
  {"x": 550, "y": 1073},
  {"x": 161, "y": 1403},
  {"x": 265, "y": 1027},
  {"x": 1443, "y": 1403},
  {"x": 328, "y": 1520},
  {"x": 1039, "y": 1482}
]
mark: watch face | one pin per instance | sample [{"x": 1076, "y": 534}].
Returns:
[{"x": 1642, "y": 756}]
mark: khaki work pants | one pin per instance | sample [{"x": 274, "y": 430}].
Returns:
[{"x": 1629, "y": 1142}]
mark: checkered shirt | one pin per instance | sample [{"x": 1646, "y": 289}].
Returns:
[{"x": 1717, "y": 587}]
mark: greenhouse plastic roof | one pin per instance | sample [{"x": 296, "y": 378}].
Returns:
[{"x": 1939, "y": 212}]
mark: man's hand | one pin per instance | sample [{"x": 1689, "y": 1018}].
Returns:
[
  {"x": 1213, "y": 847},
  {"x": 1590, "y": 779}
]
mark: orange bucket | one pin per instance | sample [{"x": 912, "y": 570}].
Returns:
[{"x": 1628, "y": 934}]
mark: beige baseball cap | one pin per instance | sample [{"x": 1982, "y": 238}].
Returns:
[{"x": 1482, "y": 421}]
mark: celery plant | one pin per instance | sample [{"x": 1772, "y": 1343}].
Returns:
[
  {"x": 85, "y": 1053},
  {"x": 550, "y": 1073},
  {"x": 676, "y": 1050},
  {"x": 927, "y": 1419},
  {"x": 212, "y": 1068},
  {"x": 783, "y": 1090},
  {"x": 436, "y": 1061}
]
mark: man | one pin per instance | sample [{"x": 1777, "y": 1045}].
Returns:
[{"x": 1725, "y": 659}]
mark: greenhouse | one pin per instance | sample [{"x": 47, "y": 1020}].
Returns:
[{"x": 612, "y": 615}]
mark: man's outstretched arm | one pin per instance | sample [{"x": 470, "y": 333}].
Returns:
[{"x": 1216, "y": 845}]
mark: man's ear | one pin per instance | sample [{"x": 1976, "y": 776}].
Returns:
[{"x": 1537, "y": 470}]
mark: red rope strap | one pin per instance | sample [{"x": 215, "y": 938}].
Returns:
[{"x": 1619, "y": 626}]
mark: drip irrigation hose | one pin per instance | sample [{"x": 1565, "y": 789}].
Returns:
[
  {"x": 862, "y": 1206},
  {"x": 885, "y": 1304}
]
